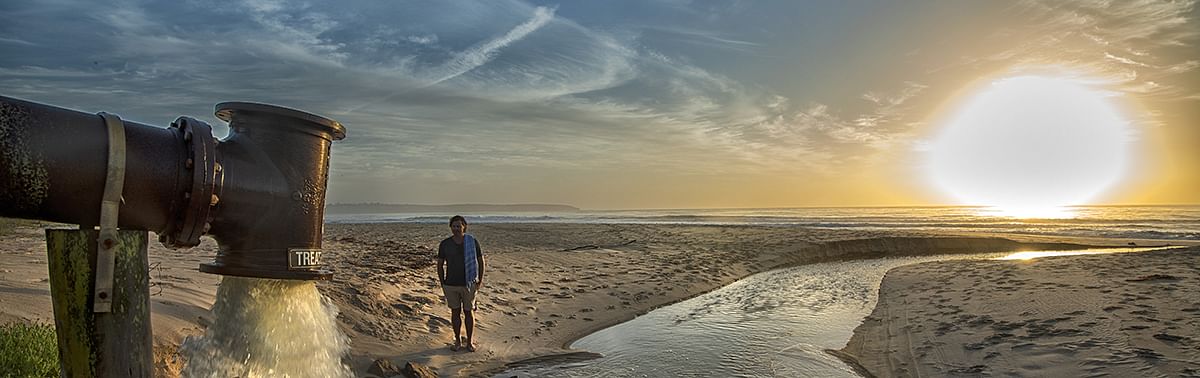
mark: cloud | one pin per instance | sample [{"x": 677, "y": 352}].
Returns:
[
  {"x": 52, "y": 73},
  {"x": 481, "y": 54},
  {"x": 16, "y": 41},
  {"x": 542, "y": 90},
  {"x": 706, "y": 39},
  {"x": 299, "y": 32},
  {"x": 1132, "y": 42},
  {"x": 1124, "y": 60},
  {"x": 459, "y": 91},
  {"x": 1184, "y": 67}
]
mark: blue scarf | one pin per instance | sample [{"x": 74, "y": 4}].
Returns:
[{"x": 470, "y": 262}]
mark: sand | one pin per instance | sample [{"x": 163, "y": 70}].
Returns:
[
  {"x": 546, "y": 285},
  {"x": 1120, "y": 315}
]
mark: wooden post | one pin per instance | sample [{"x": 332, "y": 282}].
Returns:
[{"x": 90, "y": 344}]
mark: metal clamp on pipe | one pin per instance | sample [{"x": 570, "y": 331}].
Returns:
[
  {"x": 110, "y": 206},
  {"x": 204, "y": 170}
]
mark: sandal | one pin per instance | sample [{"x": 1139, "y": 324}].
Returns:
[
  {"x": 471, "y": 347},
  {"x": 457, "y": 345}
]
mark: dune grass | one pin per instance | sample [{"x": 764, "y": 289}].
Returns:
[{"x": 28, "y": 350}]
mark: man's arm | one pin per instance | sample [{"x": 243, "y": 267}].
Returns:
[
  {"x": 479, "y": 259},
  {"x": 441, "y": 271}
]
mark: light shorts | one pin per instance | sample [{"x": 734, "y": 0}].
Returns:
[{"x": 459, "y": 297}]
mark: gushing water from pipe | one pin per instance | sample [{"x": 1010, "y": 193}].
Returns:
[{"x": 268, "y": 328}]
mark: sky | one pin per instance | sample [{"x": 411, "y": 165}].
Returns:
[{"x": 622, "y": 104}]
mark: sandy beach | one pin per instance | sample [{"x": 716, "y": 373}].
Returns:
[
  {"x": 1121, "y": 315},
  {"x": 546, "y": 284}
]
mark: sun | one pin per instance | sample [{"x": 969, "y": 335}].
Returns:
[{"x": 1029, "y": 146}]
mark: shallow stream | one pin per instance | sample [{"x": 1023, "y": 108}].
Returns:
[{"x": 772, "y": 324}]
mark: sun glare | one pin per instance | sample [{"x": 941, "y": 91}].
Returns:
[
  {"x": 1030, "y": 146},
  {"x": 1030, "y": 255}
]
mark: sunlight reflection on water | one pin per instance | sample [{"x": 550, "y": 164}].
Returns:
[
  {"x": 1050, "y": 212},
  {"x": 1036, "y": 254}
]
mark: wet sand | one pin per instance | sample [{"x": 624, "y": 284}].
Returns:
[
  {"x": 546, "y": 284},
  {"x": 1120, "y": 315}
]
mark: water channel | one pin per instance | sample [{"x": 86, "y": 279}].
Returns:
[{"x": 772, "y": 324}]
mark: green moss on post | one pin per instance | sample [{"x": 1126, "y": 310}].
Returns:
[{"x": 112, "y": 344}]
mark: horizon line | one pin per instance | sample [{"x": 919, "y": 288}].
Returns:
[{"x": 750, "y": 208}]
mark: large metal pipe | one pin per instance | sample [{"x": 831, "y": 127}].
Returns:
[
  {"x": 260, "y": 192},
  {"x": 53, "y": 164}
]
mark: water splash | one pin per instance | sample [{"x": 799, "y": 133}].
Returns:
[{"x": 268, "y": 328}]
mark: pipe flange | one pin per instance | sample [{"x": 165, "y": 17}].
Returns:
[{"x": 207, "y": 177}]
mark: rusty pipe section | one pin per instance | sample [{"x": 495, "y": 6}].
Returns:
[{"x": 260, "y": 192}]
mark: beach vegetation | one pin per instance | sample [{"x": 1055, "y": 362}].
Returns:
[{"x": 28, "y": 350}]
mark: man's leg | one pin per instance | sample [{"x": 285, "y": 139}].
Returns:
[
  {"x": 454, "y": 313},
  {"x": 454, "y": 300},
  {"x": 468, "y": 306},
  {"x": 469, "y": 316}
]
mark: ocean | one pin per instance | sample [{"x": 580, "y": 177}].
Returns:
[{"x": 1127, "y": 222}]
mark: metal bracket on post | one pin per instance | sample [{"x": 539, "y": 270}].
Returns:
[{"x": 114, "y": 184}]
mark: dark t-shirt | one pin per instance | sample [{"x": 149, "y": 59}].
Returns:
[{"x": 456, "y": 270}]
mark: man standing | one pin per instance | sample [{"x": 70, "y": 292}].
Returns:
[{"x": 460, "y": 270}]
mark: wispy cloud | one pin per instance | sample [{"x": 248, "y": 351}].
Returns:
[
  {"x": 43, "y": 72},
  {"x": 1129, "y": 41},
  {"x": 481, "y": 54},
  {"x": 16, "y": 41},
  {"x": 709, "y": 39}
]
